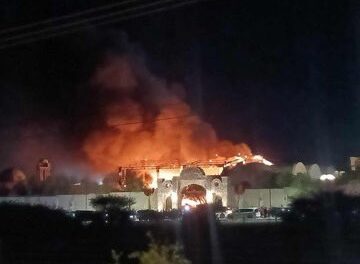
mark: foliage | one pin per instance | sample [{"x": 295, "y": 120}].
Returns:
[
  {"x": 348, "y": 177},
  {"x": 304, "y": 184},
  {"x": 155, "y": 254},
  {"x": 115, "y": 257},
  {"x": 30, "y": 220},
  {"x": 160, "y": 254},
  {"x": 110, "y": 202},
  {"x": 301, "y": 184},
  {"x": 325, "y": 207},
  {"x": 284, "y": 179}
]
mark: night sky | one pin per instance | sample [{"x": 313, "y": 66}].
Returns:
[{"x": 282, "y": 76}]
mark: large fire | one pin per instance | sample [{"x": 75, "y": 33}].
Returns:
[
  {"x": 146, "y": 119},
  {"x": 193, "y": 195}
]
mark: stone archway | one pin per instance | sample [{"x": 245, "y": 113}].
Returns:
[
  {"x": 192, "y": 194},
  {"x": 168, "y": 204},
  {"x": 217, "y": 201}
]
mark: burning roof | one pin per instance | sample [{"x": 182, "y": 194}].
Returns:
[
  {"x": 147, "y": 124},
  {"x": 147, "y": 119},
  {"x": 150, "y": 171}
]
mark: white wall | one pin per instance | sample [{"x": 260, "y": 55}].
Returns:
[
  {"x": 142, "y": 201},
  {"x": 251, "y": 198},
  {"x": 264, "y": 197},
  {"x": 80, "y": 201}
]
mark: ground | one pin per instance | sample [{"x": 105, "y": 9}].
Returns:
[{"x": 204, "y": 242}]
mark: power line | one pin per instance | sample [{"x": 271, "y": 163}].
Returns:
[
  {"x": 59, "y": 18},
  {"x": 29, "y": 40},
  {"x": 104, "y": 106},
  {"x": 81, "y": 27},
  {"x": 84, "y": 21},
  {"x": 153, "y": 121}
]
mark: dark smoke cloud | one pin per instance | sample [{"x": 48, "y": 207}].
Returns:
[
  {"x": 23, "y": 146},
  {"x": 137, "y": 103},
  {"x": 74, "y": 114}
]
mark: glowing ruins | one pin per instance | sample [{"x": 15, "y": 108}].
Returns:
[
  {"x": 175, "y": 185},
  {"x": 148, "y": 127}
]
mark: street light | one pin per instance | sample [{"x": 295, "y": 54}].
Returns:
[{"x": 327, "y": 177}]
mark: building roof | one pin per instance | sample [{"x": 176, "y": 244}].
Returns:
[{"x": 255, "y": 174}]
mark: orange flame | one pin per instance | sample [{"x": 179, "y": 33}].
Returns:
[{"x": 145, "y": 119}]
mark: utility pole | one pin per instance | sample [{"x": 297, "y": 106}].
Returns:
[
  {"x": 270, "y": 197},
  {"x": 1, "y": 250},
  {"x": 86, "y": 201}
]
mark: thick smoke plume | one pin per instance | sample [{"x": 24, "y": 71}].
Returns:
[
  {"x": 115, "y": 113},
  {"x": 146, "y": 118},
  {"x": 23, "y": 147}
]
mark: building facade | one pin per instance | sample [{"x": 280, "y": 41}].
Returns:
[
  {"x": 354, "y": 163},
  {"x": 192, "y": 183}
]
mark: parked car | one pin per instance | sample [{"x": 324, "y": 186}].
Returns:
[
  {"x": 148, "y": 215},
  {"x": 223, "y": 212},
  {"x": 134, "y": 216},
  {"x": 90, "y": 217},
  {"x": 279, "y": 211},
  {"x": 172, "y": 215},
  {"x": 245, "y": 213}
]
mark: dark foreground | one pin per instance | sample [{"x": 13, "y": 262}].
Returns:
[{"x": 35, "y": 237}]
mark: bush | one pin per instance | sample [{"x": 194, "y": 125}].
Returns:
[
  {"x": 111, "y": 203},
  {"x": 160, "y": 254},
  {"x": 325, "y": 207},
  {"x": 27, "y": 220}
]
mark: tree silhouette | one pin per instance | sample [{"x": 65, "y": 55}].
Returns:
[
  {"x": 160, "y": 254},
  {"x": 110, "y": 202}
]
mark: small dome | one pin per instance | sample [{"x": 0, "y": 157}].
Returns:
[
  {"x": 299, "y": 168},
  {"x": 255, "y": 175},
  {"x": 192, "y": 172},
  {"x": 314, "y": 171}
]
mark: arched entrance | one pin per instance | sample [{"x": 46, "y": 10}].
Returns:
[
  {"x": 168, "y": 204},
  {"x": 217, "y": 200},
  {"x": 193, "y": 195}
]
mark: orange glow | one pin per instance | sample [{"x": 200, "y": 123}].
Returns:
[
  {"x": 192, "y": 203},
  {"x": 164, "y": 173},
  {"x": 193, "y": 195},
  {"x": 186, "y": 140},
  {"x": 146, "y": 119}
]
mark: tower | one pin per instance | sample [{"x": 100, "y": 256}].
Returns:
[
  {"x": 122, "y": 177},
  {"x": 43, "y": 169}
]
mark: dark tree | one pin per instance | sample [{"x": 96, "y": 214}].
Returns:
[{"x": 110, "y": 202}]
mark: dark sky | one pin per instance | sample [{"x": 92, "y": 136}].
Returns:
[{"x": 282, "y": 76}]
